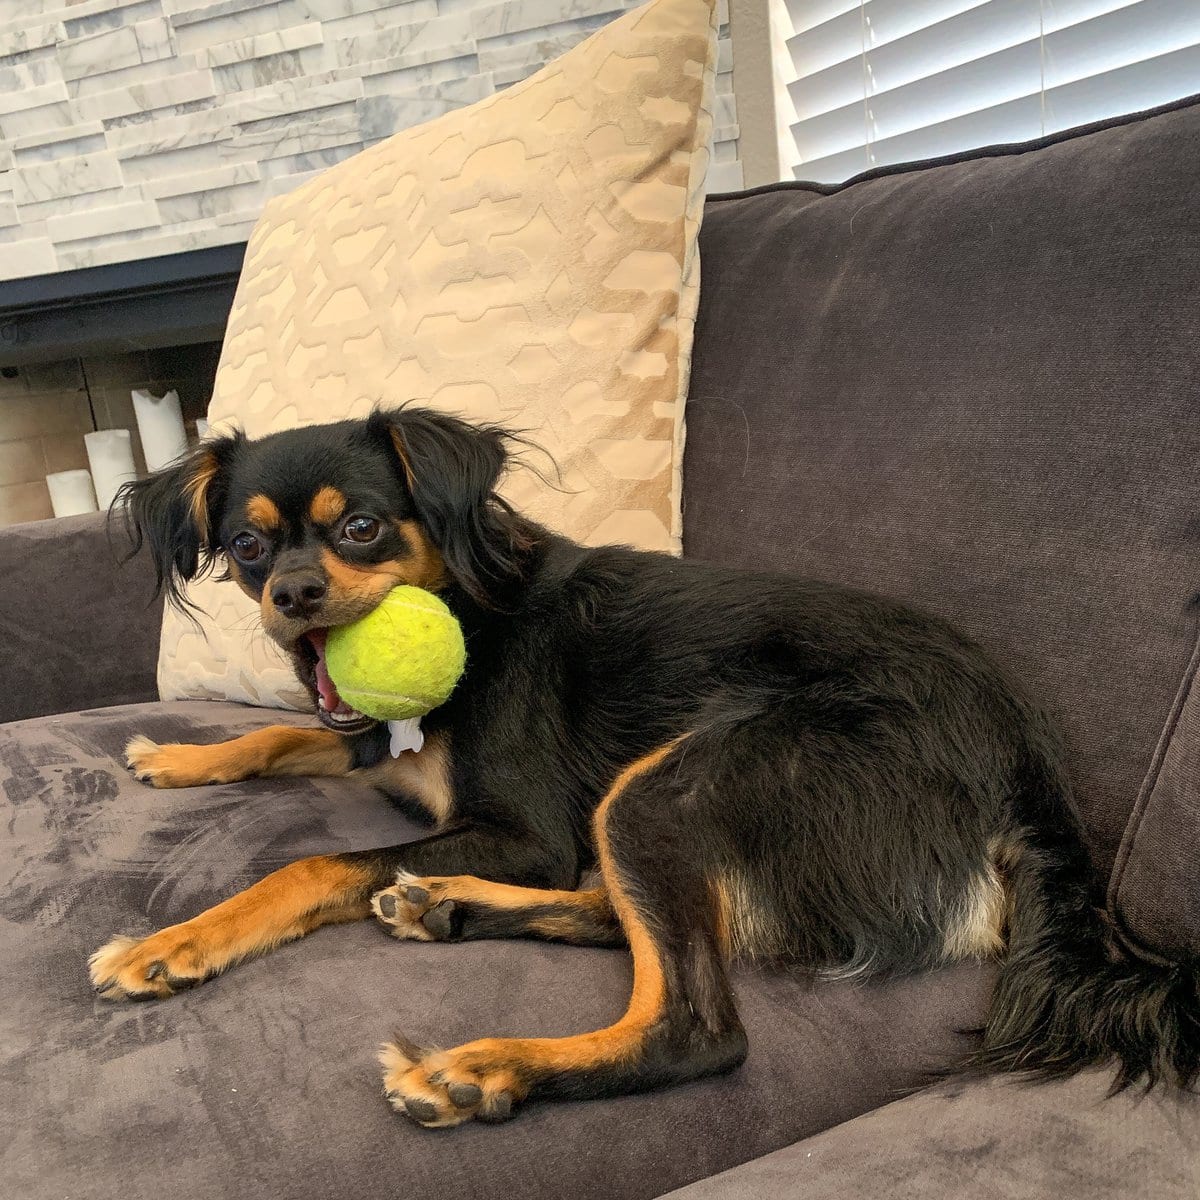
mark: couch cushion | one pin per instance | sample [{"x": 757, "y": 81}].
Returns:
[
  {"x": 990, "y": 1141},
  {"x": 973, "y": 384},
  {"x": 263, "y": 1082},
  {"x": 76, "y": 627}
]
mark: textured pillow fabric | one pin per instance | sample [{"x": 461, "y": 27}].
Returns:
[{"x": 531, "y": 259}]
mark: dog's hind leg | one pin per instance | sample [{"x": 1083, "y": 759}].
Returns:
[
  {"x": 681, "y": 1022},
  {"x": 459, "y": 908}
]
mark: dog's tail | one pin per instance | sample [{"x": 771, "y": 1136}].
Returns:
[{"x": 1065, "y": 1000}]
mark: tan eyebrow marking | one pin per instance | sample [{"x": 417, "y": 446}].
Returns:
[
  {"x": 264, "y": 512},
  {"x": 327, "y": 505}
]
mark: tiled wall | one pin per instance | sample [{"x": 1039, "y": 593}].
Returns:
[
  {"x": 143, "y": 127},
  {"x": 45, "y": 411}
]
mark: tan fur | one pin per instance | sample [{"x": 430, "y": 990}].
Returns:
[
  {"x": 327, "y": 506},
  {"x": 276, "y": 750},
  {"x": 511, "y": 1065},
  {"x": 263, "y": 512},
  {"x": 195, "y": 491},
  {"x": 425, "y": 567},
  {"x": 425, "y": 777},
  {"x": 285, "y": 905},
  {"x": 744, "y": 927},
  {"x": 980, "y": 926}
]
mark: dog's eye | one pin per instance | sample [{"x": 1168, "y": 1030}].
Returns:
[
  {"x": 360, "y": 530},
  {"x": 246, "y": 547}
]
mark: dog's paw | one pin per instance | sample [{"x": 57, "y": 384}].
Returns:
[
  {"x": 152, "y": 968},
  {"x": 441, "y": 1088},
  {"x": 172, "y": 766},
  {"x": 418, "y": 909}
]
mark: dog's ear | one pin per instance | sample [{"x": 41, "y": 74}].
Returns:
[
  {"x": 175, "y": 512},
  {"x": 451, "y": 468}
]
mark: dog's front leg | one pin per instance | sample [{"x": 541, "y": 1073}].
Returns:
[
  {"x": 295, "y": 900},
  {"x": 276, "y": 750}
]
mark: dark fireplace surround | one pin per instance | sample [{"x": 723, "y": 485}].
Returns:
[{"x": 171, "y": 300}]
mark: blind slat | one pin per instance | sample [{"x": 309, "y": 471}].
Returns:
[{"x": 883, "y": 81}]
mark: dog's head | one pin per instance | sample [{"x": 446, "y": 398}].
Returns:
[{"x": 319, "y": 524}]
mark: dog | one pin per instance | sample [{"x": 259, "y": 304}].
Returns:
[{"x": 750, "y": 766}]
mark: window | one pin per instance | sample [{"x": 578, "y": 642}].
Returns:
[{"x": 863, "y": 83}]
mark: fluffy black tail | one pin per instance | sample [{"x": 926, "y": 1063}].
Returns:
[{"x": 1065, "y": 1000}]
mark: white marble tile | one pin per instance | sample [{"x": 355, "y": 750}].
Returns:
[
  {"x": 20, "y": 38},
  {"x": 381, "y": 116},
  {"x": 239, "y": 77},
  {"x": 188, "y": 12},
  {"x": 339, "y": 129},
  {"x": 112, "y": 17},
  {"x": 145, "y": 42},
  {"x": 377, "y": 19},
  {"x": 20, "y": 98},
  {"x": 443, "y": 33},
  {"x": 118, "y": 250},
  {"x": 518, "y": 15},
  {"x": 294, "y": 96},
  {"x": 44, "y": 181},
  {"x": 219, "y": 28},
  {"x": 120, "y": 219},
  {"x": 89, "y": 8},
  {"x": 58, "y": 206},
  {"x": 724, "y": 177},
  {"x": 170, "y": 123},
  {"x": 170, "y": 132},
  {"x": 263, "y": 45},
  {"x": 203, "y": 181},
  {"x": 61, "y": 133},
  {"x": 28, "y": 72},
  {"x": 147, "y": 97},
  {"x": 34, "y": 256}
]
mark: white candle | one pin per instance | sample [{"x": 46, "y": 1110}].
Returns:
[
  {"x": 110, "y": 452},
  {"x": 71, "y": 492},
  {"x": 160, "y": 423}
]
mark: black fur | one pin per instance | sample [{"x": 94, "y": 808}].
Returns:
[{"x": 853, "y": 772}]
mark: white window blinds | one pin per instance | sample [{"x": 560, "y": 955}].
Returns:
[{"x": 884, "y": 81}]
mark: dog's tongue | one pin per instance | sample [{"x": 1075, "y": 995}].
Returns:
[{"x": 325, "y": 686}]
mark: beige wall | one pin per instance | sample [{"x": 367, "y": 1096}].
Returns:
[{"x": 44, "y": 414}]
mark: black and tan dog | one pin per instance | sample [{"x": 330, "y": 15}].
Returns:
[{"x": 759, "y": 767}]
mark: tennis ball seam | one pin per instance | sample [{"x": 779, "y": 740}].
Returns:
[{"x": 392, "y": 696}]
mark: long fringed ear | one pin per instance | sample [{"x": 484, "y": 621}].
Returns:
[
  {"x": 451, "y": 469},
  {"x": 174, "y": 512}
]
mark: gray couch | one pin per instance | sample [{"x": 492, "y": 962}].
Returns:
[{"x": 972, "y": 383}]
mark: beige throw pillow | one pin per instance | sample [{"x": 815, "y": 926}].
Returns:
[{"x": 530, "y": 260}]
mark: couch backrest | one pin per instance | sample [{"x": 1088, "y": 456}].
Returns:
[{"x": 975, "y": 383}]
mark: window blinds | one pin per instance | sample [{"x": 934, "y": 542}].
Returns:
[{"x": 884, "y": 81}]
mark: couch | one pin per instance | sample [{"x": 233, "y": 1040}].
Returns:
[{"x": 969, "y": 382}]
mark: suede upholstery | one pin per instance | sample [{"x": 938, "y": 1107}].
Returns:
[
  {"x": 989, "y": 1141},
  {"x": 77, "y": 629},
  {"x": 264, "y": 1082},
  {"x": 973, "y": 385}
]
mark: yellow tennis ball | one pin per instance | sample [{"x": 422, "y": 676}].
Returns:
[{"x": 400, "y": 660}]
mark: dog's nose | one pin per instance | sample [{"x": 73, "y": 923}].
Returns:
[{"x": 299, "y": 595}]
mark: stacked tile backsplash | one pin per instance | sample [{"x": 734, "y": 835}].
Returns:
[
  {"x": 131, "y": 128},
  {"x": 45, "y": 410}
]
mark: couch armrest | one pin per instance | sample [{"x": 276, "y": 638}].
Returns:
[{"x": 77, "y": 629}]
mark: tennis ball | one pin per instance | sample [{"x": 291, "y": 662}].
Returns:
[{"x": 400, "y": 660}]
